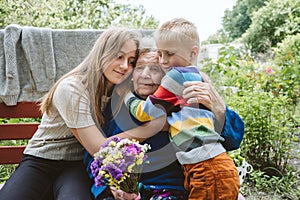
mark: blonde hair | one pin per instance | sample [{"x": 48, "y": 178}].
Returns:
[
  {"x": 178, "y": 29},
  {"x": 105, "y": 49}
]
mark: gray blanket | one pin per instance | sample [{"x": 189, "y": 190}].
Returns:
[{"x": 32, "y": 59}]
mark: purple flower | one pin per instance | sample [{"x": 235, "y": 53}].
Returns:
[
  {"x": 99, "y": 181},
  {"x": 123, "y": 164},
  {"x": 114, "y": 171},
  {"x": 95, "y": 166},
  {"x": 114, "y": 138},
  {"x": 117, "y": 157}
]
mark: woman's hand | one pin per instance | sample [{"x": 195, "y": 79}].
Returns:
[
  {"x": 121, "y": 195},
  {"x": 206, "y": 94}
]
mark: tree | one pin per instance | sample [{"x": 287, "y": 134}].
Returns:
[
  {"x": 271, "y": 24},
  {"x": 220, "y": 37},
  {"x": 238, "y": 20},
  {"x": 74, "y": 14}
]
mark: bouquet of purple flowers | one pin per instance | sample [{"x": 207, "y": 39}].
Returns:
[{"x": 118, "y": 164}]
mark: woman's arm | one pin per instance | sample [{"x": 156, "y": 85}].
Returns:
[
  {"x": 91, "y": 138},
  {"x": 145, "y": 131},
  {"x": 233, "y": 131}
]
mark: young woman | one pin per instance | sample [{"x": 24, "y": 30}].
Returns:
[{"x": 73, "y": 113}]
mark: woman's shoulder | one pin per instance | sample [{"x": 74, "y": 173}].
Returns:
[
  {"x": 70, "y": 83},
  {"x": 71, "y": 80},
  {"x": 69, "y": 86}
]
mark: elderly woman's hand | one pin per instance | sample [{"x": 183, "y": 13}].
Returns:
[
  {"x": 121, "y": 195},
  {"x": 206, "y": 94}
]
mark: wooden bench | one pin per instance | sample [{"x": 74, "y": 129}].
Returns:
[{"x": 17, "y": 131}]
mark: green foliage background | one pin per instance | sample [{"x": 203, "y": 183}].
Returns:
[
  {"x": 259, "y": 24},
  {"x": 74, "y": 14},
  {"x": 265, "y": 92},
  {"x": 266, "y": 96},
  {"x": 272, "y": 23}
]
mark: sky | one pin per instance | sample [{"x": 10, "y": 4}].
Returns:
[{"x": 205, "y": 14}]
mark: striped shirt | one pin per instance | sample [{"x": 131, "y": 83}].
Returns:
[{"x": 191, "y": 126}]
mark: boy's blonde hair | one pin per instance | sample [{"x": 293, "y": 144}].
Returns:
[{"x": 180, "y": 30}]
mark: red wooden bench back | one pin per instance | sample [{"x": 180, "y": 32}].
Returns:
[{"x": 19, "y": 131}]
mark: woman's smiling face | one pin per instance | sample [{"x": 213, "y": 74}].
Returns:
[{"x": 121, "y": 67}]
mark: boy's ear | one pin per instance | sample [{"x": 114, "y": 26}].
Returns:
[{"x": 194, "y": 52}]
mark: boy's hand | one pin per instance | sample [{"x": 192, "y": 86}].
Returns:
[
  {"x": 206, "y": 94},
  {"x": 198, "y": 92}
]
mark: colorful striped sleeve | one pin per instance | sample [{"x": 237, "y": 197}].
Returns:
[
  {"x": 142, "y": 110},
  {"x": 167, "y": 98}
]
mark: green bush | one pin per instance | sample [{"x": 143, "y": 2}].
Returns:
[
  {"x": 6, "y": 171},
  {"x": 287, "y": 58},
  {"x": 266, "y": 96}
]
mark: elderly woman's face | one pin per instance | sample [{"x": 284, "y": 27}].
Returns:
[{"x": 147, "y": 74}]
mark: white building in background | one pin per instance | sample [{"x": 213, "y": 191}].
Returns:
[{"x": 210, "y": 51}]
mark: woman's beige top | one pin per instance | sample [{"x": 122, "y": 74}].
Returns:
[{"x": 70, "y": 109}]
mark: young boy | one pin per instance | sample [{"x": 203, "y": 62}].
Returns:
[{"x": 209, "y": 172}]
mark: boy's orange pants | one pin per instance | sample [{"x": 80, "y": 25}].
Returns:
[{"x": 213, "y": 179}]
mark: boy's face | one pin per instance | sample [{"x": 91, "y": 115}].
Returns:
[{"x": 173, "y": 53}]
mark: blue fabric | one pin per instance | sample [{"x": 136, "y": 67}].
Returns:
[
  {"x": 164, "y": 171},
  {"x": 233, "y": 131},
  {"x": 148, "y": 192}
]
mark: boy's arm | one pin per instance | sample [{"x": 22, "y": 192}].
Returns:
[
  {"x": 166, "y": 99},
  {"x": 142, "y": 110}
]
